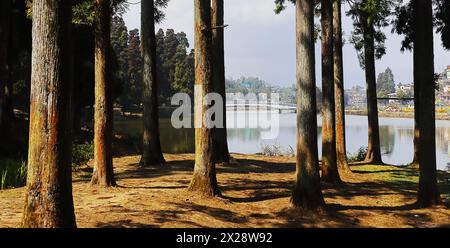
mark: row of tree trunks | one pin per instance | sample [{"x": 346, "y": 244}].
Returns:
[
  {"x": 428, "y": 194},
  {"x": 307, "y": 193},
  {"x": 373, "y": 150},
  {"x": 341, "y": 151},
  {"x": 204, "y": 180},
  {"x": 221, "y": 153},
  {"x": 103, "y": 117},
  {"x": 49, "y": 182},
  {"x": 330, "y": 172},
  {"x": 151, "y": 145}
]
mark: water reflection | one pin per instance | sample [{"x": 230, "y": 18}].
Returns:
[{"x": 396, "y": 137}]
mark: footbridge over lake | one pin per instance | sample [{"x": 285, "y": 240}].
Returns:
[{"x": 289, "y": 108}]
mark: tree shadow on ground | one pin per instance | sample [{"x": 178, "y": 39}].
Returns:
[
  {"x": 245, "y": 166},
  {"x": 251, "y": 189},
  {"x": 124, "y": 224},
  {"x": 134, "y": 171}
]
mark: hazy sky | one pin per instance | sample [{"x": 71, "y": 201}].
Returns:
[{"x": 262, "y": 44}]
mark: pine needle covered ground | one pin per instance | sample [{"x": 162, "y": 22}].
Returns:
[{"x": 256, "y": 193}]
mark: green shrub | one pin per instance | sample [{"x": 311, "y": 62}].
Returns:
[
  {"x": 82, "y": 153},
  {"x": 360, "y": 155},
  {"x": 13, "y": 173}
]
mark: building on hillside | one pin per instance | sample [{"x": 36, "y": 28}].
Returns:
[
  {"x": 248, "y": 84},
  {"x": 448, "y": 72},
  {"x": 356, "y": 97},
  {"x": 406, "y": 87},
  {"x": 443, "y": 94}
]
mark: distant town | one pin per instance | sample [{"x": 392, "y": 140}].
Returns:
[
  {"x": 395, "y": 97},
  {"x": 392, "y": 97}
]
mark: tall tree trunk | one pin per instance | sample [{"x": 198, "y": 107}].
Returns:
[
  {"x": 428, "y": 194},
  {"x": 49, "y": 200},
  {"x": 329, "y": 164},
  {"x": 221, "y": 153},
  {"x": 204, "y": 180},
  {"x": 103, "y": 117},
  {"x": 373, "y": 150},
  {"x": 341, "y": 151},
  {"x": 151, "y": 145},
  {"x": 307, "y": 193}
]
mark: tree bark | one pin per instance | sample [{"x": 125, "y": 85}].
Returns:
[
  {"x": 329, "y": 163},
  {"x": 221, "y": 153},
  {"x": 373, "y": 150},
  {"x": 428, "y": 194},
  {"x": 307, "y": 193},
  {"x": 49, "y": 200},
  {"x": 204, "y": 180},
  {"x": 151, "y": 145},
  {"x": 103, "y": 117},
  {"x": 341, "y": 151}
]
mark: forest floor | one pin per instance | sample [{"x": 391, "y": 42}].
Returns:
[{"x": 256, "y": 193}]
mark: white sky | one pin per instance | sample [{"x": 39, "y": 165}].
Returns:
[{"x": 262, "y": 44}]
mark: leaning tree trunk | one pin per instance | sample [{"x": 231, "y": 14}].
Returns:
[
  {"x": 151, "y": 145},
  {"x": 307, "y": 193},
  {"x": 49, "y": 200},
  {"x": 329, "y": 164},
  {"x": 204, "y": 180},
  {"x": 103, "y": 117},
  {"x": 373, "y": 150},
  {"x": 428, "y": 194},
  {"x": 341, "y": 151},
  {"x": 221, "y": 153}
]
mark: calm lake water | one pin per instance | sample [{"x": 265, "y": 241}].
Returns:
[{"x": 396, "y": 136}]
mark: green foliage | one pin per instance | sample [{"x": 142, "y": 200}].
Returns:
[
  {"x": 404, "y": 94},
  {"x": 403, "y": 22},
  {"x": 174, "y": 64},
  {"x": 442, "y": 21},
  {"x": 360, "y": 155},
  {"x": 132, "y": 64},
  {"x": 369, "y": 18},
  {"x": 247, "y": 85},
  {"x": 385, "y": 83},
  {"x": 83, "y": 13},
  {"x": 184, "y": 74},
  {"x": 13, "y": 173},
  {"x": 82, "y": 153}
]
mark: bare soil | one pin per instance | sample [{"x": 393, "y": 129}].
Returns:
[{"x": 256, "y": 193}]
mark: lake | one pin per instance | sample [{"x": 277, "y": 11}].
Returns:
[{"x": 396, "y": 136}]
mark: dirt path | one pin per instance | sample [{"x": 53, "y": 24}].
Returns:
[{"x": 256, "y": 191}]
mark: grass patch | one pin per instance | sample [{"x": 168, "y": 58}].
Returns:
[
  {"x": 13, "y": 173},
  {"x": 403, "y": 176},
  {"x": 81, "y": 154}
]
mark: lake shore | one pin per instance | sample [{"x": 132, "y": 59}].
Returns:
[
  {"x": 256, "y": 192},
  {"x": 384, "y": 114}
]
